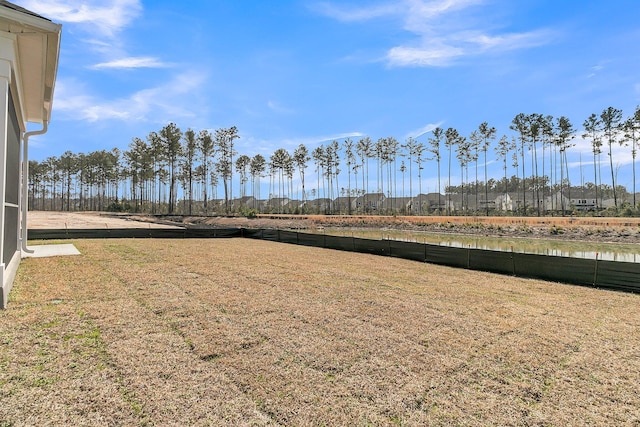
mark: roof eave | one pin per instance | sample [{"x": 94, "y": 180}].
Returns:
[{"x": 38, "y": 44}]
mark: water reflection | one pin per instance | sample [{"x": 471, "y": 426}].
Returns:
[
  {"x": 603, "y": 251},
  {"x": 526, "y": 247}
]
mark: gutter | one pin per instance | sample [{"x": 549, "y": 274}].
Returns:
[{"x": 24, "y": 200}]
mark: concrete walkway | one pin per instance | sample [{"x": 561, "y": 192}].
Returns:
[{"x": 43, "y": 251}]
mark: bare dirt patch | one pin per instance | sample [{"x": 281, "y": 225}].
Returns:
[
  {"x": 84, "y": 220},
  {"x": 242, "y": 332}
]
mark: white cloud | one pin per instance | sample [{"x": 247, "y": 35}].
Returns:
[
  {"x": 415, "y": 11},
  {"x": 170, "y": 101},
  {"x": 423, "y": 130},
  {"x": 252, "y": 145},
  {"x": 274, "y": 106},
  {"x": 422, "y": 16},
  {"x": 621, "y": 154},
  {"x": 131, "y": 62},
  {"x": 315, "y": 141},
  {"x": 595, "y": 70},
  {"x": 349, "y": 14},
  {"x": 97, "y": 24},
  {"x": 337, "y": 137},
  {"x": 402, "y": 56},
  {"x": 444, "y": 51},
  {"x": 508, "y": 41},
  {"x": 443, "y": 31},
  {"x": 105, "y": 16}
]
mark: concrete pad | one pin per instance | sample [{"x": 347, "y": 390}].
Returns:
[{"x": 43, "y": 251}]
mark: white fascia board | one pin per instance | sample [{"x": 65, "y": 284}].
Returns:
[
  {"x": 30, "y": 21},
  {"x": 30, "y": 27}
]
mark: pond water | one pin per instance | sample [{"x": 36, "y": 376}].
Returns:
[{"x": 623, "y": 252}]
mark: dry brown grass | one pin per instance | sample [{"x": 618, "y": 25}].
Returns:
[{"x": 241, "y": 332}]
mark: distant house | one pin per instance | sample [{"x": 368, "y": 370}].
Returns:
[
  {"x": 428, "y": 203},
  {"x": 493, "y": 202},
  {"x": 398, "y": 205},
  {"x": 29, "y": 50},
  {"x": 370, "y": 202},
  {"x": 319, "y": 205},
  {"x": 342, "y": 204},
  {"x": 579, "y": 200},
  {"x": 503, "y": 203},
  {"x": 245, "y": 202},
  {"x": 457, "y": 202},
  {"x": 519, "y": 200},
  {"x": 293, "y": 206},
  {"x": 585, "y": 202},
  {"x": 276, "y": 204}
]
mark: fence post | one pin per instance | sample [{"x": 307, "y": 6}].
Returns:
[
  {"x": 513, "y": 261},
  {"x": 595, "y": 273}
]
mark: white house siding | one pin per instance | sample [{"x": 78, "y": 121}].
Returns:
[
  {"x": 9, "y": 171},
  {"x": 29, "y": 49}
]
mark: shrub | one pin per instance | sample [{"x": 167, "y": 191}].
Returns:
[
  {"x": 556, "y": 230},
  {"x": 248, "y": 212},
  {"x": 119, "y": 207}
]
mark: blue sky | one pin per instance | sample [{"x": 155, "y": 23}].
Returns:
[{"x": 307, "y": 71}]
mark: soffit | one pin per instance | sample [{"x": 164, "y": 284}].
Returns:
[{"x": 38, "y": 48}]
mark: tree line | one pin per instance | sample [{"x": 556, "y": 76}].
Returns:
[{"x": 171, "y": 171}]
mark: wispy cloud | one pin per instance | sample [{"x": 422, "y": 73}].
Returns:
[
  {"x": 444, "y": 51},
  {"x": 402, "y": 56},
  {"x": 98, "y": 25},
  {"x": 444, "y": 31},
  {"x": 107, "y": 17},
  {"x": 337, "y": 137},
  {"x": 315, "y": 141},
  {"x": 253, "y": 144},
  {"x": 621, "y": 155},
  {"x": 423, "y": 130},
  {"x": 131, "y": 62},
  {"x": 350, "y": 14},
  {"x": 170, "y": 101},
  {"x": 595, "y": 70},
  {"x": 276, "y": 107}
]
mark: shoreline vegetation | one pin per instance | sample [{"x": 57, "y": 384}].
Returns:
[{"x": 588, "y": 229}]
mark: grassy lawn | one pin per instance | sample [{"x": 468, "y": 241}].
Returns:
[{"x": 243, "y": 332}]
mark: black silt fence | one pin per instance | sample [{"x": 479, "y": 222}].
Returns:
[
  {"x": 492, "y": 261},
  {"x": 578, "y": 271},
  {"x": 621, "y": 276},
  {"x": 135, "y": 233},
  {"x": 373, "y": 247}
]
